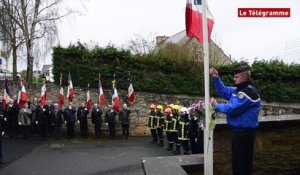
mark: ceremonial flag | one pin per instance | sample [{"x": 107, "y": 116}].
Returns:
[
  {"x": 131, "y": 93},
  {"x": 115, "y": 98},
  {"x": 88, "y": 99},
  {"x": 194, "y": 22},
  {"x": 71, "y": 90},
  {"x": 101, "y": 94},
  {"x": 22, "y": 96},
  {"x": 43, "y": 95},
  {"x": 61, "y": 94},
  {"x": 6, "y": 98}
]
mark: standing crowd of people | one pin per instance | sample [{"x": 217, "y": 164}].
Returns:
[
  {"x": 48, "y": 120},
  {"x": 181, "y": 128}
]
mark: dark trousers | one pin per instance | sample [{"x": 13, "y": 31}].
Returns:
[
  {"x": 154, "y": 135},
  {"x": 242, "y": 152},
  {"x": 97, "y": 130},
  {"x": 1, "y": 155},
  {"x": 172, "y": 137},
  {"x": 112, "y": 129},
  {"x": 58, "y": 131},
  {"x": 24, "y": 130},
  {"x": 185, "y": 145},
  {"x": 83, "y": 129},
  {"x": 125, "y": 129},
  {"x": 70, "y": 130},
  {"x": 160, "y": 135},
  {"x": 43, "y": 130}
]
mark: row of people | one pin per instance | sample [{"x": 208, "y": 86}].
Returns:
[
  {"x": 180, "y": 127},
  {"x": 50, "y": 119}
]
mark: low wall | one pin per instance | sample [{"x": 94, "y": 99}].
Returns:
[{"x": 277, "y": 147}]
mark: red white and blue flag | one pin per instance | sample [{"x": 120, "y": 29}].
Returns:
[
  {"x": 115, "y": 98},
  {"x": 22, "y": 96},
  {"x": 88, "y": 99},
  {"x": 71, "y": 90},
  {"x": 131, "y": 94},
  {"x": 43, "y": 95},
  {"x": 193, "y": 20},
  {"x": 6, "y": 97},
  {"x": 101, "y": 94},
  {"x": 61, "y": 94}
]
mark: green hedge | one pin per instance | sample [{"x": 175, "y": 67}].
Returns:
[{"x": 159, "y": 73}]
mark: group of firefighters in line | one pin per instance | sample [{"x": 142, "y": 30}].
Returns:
[
  {"x": 49, "y": 119},
  {"x": 180, "y": 127}
]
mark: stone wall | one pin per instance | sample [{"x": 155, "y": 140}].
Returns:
[
  {"x": 140, "y": 109},
  {"x": 277, "y": 148}
]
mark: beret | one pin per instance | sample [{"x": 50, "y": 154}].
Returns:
[{"x": 240, "y": 68}]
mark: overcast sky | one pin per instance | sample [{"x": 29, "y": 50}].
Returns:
[{"x": 118, "y": 21}]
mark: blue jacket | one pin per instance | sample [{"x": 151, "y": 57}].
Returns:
[{"x": 243, "y": 105}]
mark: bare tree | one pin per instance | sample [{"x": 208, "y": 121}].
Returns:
[
  {"x": 141, "y": 45},
  {"x": 10, "y": 35},
  {"x": 37, "y": 21}
]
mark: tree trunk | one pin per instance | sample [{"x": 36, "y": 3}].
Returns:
[
  {"x": 29, "y": 64},
  {"x": 14, "y": 54}
]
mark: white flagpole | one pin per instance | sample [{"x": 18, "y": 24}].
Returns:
[{"x": 208, "y": 134}]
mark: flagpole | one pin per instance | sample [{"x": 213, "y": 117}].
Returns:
[{"x": 208, "y": 133}]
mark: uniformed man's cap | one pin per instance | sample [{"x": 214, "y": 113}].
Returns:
[{"x": 240, "y": 68}]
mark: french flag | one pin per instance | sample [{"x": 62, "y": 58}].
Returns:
[
  {"x": 61, "y": 94},
  {"x": 71, "y": 91},
  {"x": 22, "y": 96},
  {"x": 193, "y": 20},
  {"x": 131, "y": 93},
  {"x": 88, "y": 99},
  {"x": 61, "y": 98},
  {"x": 101, "y": 94},
  {"x": 115, "y": 98},
  {"x": 6, "y": 98},
  {"x": 43, "y": 95}
]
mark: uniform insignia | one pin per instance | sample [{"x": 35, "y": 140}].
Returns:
[{"x": 241, "y": 96}]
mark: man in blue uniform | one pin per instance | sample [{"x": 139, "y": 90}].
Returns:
[{"x": 242, "y": 110}]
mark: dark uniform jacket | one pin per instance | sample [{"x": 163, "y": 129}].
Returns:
[
  {"x": 152, "y": 115},
  {"x": 82, "y": 113},
  {"x": 124, "y": 116},
  {"x": 69, "y": 115},
  {"x": 96, "y": 116},
  {"x": 183, "y": 128},
  {"x": 110, "y": 116},
  {"x": 42, "y": 115},
  {"x": 57, "y": 117}
]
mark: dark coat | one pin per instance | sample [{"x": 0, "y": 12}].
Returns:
[
  {"x": 124, "y": 116},
  {"x": 69, "y": 115},
  {"x": 82, "y": 113},
  {"x": 110, "y": 116},
  {"x": 56, "y": 117},
  {"x": 96, "y": 116}
]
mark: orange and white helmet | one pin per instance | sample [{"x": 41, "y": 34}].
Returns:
[{"x": 152, "y": 106}]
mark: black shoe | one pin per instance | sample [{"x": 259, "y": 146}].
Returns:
[{"x": 2, "y": 162}]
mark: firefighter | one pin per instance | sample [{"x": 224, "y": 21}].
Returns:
[
  {"x": 175, "y": 109},
  {"x": 151, "y": 125},
  {"x": 183, "y": 130},
  {"x": 171, "y": 126},
  {"x": 160, "y": 124}
]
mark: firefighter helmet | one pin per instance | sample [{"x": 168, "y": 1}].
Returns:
[
  {"x": 168, "y": 110},
  {"x": 160, "y": 107},
  {"x": 152, "y": 106}
]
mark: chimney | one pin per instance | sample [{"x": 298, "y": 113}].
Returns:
[{"x": 161, "y": 39}]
